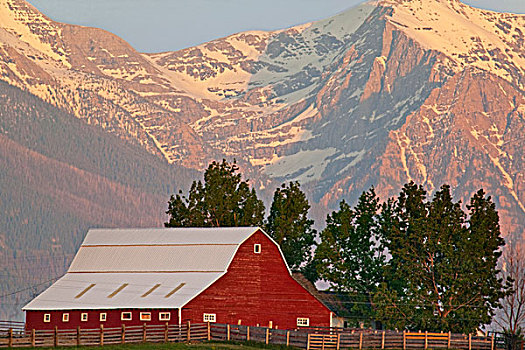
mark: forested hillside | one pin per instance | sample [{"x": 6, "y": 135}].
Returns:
[{"x": 58, "y": 177}]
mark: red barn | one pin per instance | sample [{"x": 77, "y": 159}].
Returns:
[{"x": 175, "y": 275}]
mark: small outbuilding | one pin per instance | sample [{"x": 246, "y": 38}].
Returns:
[{"x": 175, "y": 275}]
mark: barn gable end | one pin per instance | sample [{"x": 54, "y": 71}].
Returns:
[{"x": 258, "y": 290}]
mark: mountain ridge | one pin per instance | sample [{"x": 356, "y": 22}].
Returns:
[
  {"x": 59, "y": 177},
  {"x": 327, "y": 103}
]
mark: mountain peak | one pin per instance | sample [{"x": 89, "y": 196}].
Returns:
[
  {"x": 22, "y": 24},
  {"x": 467, "y": 35},
  {"x": 417, "y": 3}
]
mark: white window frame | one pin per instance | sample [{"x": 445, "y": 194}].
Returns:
[
  {"x": 65, "y": 317},
  {"x": 257, "y": 248},
  {"x": 164, "y": 316},
  {"x": 103, "y": 317},
  {"x": 145, "y": 316},
  {"x": 122, "y": 318},
  {"x": 303, "y": 322},
  {"x": 209, "y": 317},
  {"x": 47, "y": 318},
  {"x": 84, "y": 317}
]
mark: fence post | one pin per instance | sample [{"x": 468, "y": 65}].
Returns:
[
  {"x": 469, "y": 341},
  {"x": 322, "y": 343},
  {"x": 10, "y": 341},
  {"x": 209, "y": 331},
  {"x": 78, "y": 335},
  {"x": 308, "y": 342},
  {"x": 166, "y": 333},
  {"x": 55, "y": 340},
  {"x": 287, "y": 338},
  {"x": 123, "y": 334},
  {"x": 426, "y": 339},
  {"x": 101, "y": 335},
  {"x": 188, "y": 335},
  {"x": 449, "y": 339},
  {"x": 383, "y": 340},
  {"x": 360, "y": 340},
  {"x": 267, "y": 334},
  {"x": 338, "y": 341},
  {"x": 248, "y": 333},
  {"x": 33, "y": 337},
  {"x": 228, "y": 332},
  {"x": 404, "y": 340},
  {"x": 144, "y": 333},
  {"x": 492, "y": 343}
]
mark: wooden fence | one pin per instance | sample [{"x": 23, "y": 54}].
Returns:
[
  {"x": 310, "y": 339},
  {"x": 336, "y": 338}
]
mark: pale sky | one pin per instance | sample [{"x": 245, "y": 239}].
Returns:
[{"x": 169, "y": 25}]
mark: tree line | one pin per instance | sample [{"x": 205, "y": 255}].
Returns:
[{"x": 408, "y": 263}]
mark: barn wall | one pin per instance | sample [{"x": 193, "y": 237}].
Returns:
[
  {"x": 257, "y": 290},
  {"x": 35, "y": 319}
]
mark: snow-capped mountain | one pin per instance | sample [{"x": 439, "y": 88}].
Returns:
[{"x": 384, "y": 93}]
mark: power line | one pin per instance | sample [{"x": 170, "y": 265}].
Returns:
[{"x": 28, "y": 288}]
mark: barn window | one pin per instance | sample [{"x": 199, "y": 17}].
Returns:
[
  {"x": 84, "y": 317},
  {"x": 303, "y": 322},
  {"x": 210, "y": 317},
  {"x": 103, "y": 317},
  {"x": 47, "y": 317},
  {"x": 257, "y": 248},
  {"x": 65, "y": 317},
  {"x": 145, "y": 316},
  {"x": 164, "y": 316},
  {"x": 125, "y": 316}
]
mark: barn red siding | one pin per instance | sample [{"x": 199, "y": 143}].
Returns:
[
  {"x": 257, "y": 290},
  {"x": 35, "y": 319}
]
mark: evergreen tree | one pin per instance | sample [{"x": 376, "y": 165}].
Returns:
[
  {"x": 350, "y": 256},
  {"x": 442, "y": 275},
  {"x": 223, "y": 200},
  {"x": 289, "y": 226},
  {"x": 485, "y": 247}
]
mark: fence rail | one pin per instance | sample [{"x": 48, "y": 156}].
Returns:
[{"x": 13, "y": 335}]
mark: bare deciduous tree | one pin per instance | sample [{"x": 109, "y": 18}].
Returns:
[{"x": 512, "y": 316}]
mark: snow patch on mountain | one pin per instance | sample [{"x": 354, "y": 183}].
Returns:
[
  {"x": 298, "y": 55},
  {"x": 21, "y": 18},
  {"x": 303, "y": 166},
  {"x": 488, "y": 40},
  {"x": 217, "y": 69},
  {"x": 354, "y": 157}
]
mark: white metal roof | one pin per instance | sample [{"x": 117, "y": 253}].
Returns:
[
  {"x": 173, "y": 258},
  {"x": 137, "y": 260},
  {"x": 62, "y": 295},
  {"x": 153, "y": 236}
]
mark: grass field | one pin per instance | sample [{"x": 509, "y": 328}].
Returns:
[{"x": 194, "y": 346}]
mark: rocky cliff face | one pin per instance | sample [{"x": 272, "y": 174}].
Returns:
[{"x": 424, "y": 90}]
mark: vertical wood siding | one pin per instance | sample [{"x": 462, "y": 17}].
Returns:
[{"x": 257, "y": 290}]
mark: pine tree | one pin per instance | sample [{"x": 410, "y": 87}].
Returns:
[
  {"x": 350, "y": 256},
  {"x": 223, "y": 200},
  {"x": 442, "y": 275},
  {"x": 289, "y": 226}
]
